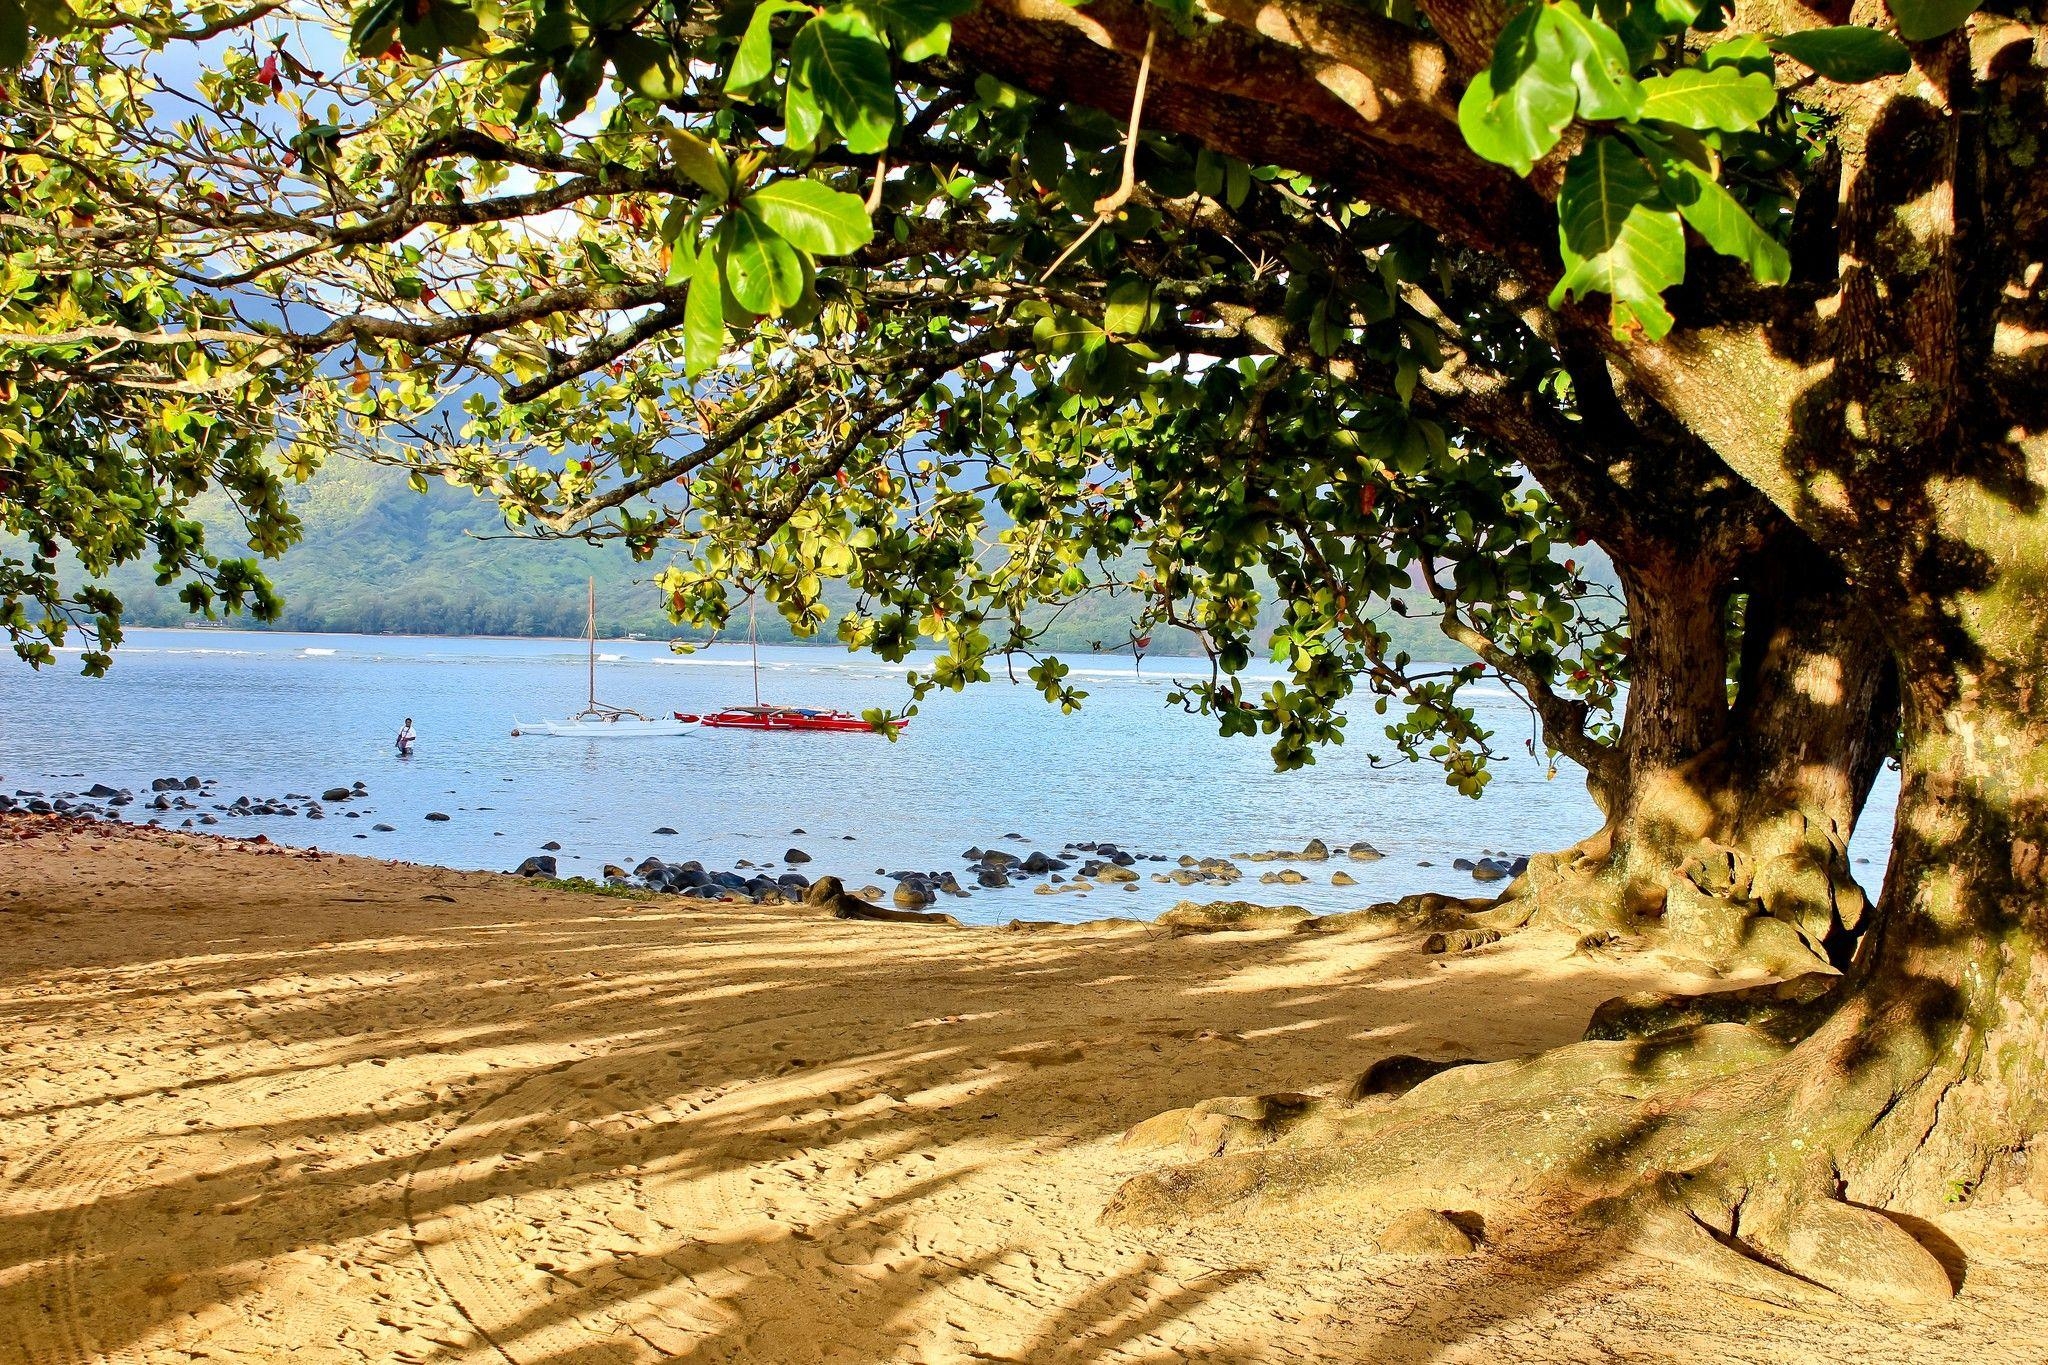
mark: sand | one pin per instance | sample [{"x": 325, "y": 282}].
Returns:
[{"x": 260, "y": 1105}]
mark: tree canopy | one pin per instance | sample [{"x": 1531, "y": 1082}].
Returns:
[{"x": 975, "y": 306}]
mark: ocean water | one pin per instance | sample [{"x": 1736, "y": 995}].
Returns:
[{"x": 265, "y": 714}]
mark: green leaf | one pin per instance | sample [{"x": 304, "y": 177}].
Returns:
[
  {"x": 700, "y": 160},
  {"x": 844, "y": 62},
  {"x": 1237, "y": 183},
  {"x": 369, "y": 34},
  {"x": 762, "y": 268},
  {"x": 1594, "y": 58},
  {"x": 577, "y": 81},
  {"x": 813, "y": 217},
  {"x": 14, "y": 40},
  {"x": 50, "y": 18},
  {"x": 1722, "y": 98},
  {"x": 1130, "y": 308},
  {"x": 923, "y": 29},
  {"x": 703, "y": 316},
  {"x": 610, "y": 13},
  {"x": 1514, "y": 111},
  {"x": 756, "y": 56},
  {"x": 1719, "y": 218},
  {"x": 802, "y": 119},
  {"x": 1920, "y": 20},
  {"x": 1850, "y": 54},
  {"x": 1745, "y": 53},
  {"x": 1619, "y": 236},
  {"x": 648, "y": 66},
  {"x": 441, "y": 24},
  {"x": 1325, "y": 329}
]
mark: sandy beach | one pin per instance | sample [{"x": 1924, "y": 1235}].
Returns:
[{"x": 259, "y": 1104}]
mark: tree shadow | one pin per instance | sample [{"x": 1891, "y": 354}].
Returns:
[{"x": 515, "y": 1081}]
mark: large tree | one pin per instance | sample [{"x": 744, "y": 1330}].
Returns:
[
  {"x": 1676, "y": 243},
  {"x": 1404, "y": 393},
  {"x": 1883, "y": 398}
]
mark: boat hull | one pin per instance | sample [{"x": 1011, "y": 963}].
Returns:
[
  {"x": 791, "y": 719},
  {"x": 606, "y": 729}
]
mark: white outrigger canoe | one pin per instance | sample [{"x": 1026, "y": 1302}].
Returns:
[
  {"x": 599, "y": 721},
  {"x": 608, "y": 724}
]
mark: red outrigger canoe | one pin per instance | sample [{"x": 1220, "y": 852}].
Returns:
[
  {"x": 759, "y": 717},
  {"x": 785, "y": 718}
]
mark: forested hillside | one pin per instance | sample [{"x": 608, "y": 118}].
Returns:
[{"x": 378, "y": 557}]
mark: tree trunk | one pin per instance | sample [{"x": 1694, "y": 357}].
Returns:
[{"x": 1728, "y": 836}]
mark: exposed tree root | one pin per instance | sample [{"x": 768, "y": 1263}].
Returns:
[
  {"x": 1786, "y": 1009},
  {"x": 1693, "y": 1147},
  {"x": 829, "y": 894},
  {"x": 1778, "y": 898},
  {"x": 1428, "y": 912}
]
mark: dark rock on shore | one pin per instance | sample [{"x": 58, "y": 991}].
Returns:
[
  {"x": 539, "y": 865},
  {"x": 912, "y": 892}
]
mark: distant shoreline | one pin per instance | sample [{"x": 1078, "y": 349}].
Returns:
[{"x": 258, "y": 628}]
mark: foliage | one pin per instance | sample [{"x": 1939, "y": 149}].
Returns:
[
  {"x": 788, "y": 295},
  {"x": 108, "y": 474},
  {"x": 375, "y": 557},
  {"x": 1686, "y": 133}
]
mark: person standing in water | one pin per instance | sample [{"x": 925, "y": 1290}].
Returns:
[{"x": 405, "y": 738}]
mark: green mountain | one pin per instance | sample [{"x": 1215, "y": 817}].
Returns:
[{"x": 380, "y": 558}]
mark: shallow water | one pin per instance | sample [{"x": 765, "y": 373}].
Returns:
[{"x": 271, "y": 713}]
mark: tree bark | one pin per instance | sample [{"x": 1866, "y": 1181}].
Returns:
[
  {"x": 1893, "y": 413},
  {"x": 1728, "y": 834}
]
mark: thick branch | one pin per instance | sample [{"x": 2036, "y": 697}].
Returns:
[{"x": 1262, "y": 101}]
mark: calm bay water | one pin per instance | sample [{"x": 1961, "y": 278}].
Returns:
[{"x": 269, "y": 713}]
